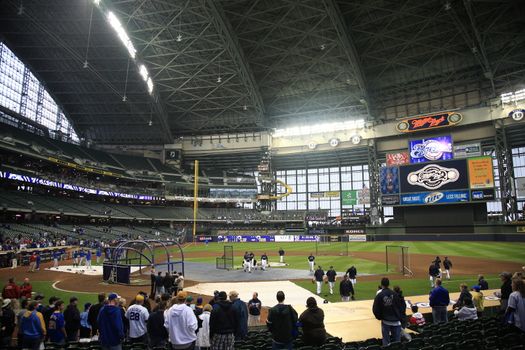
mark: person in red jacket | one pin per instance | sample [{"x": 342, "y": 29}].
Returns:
[
  {"x": 11, "y": 290},
  {"x": 25, "y": 289},
  {"x": 32, "y": 262}
]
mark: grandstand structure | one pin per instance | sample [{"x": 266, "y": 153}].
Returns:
[{"x": 367, "y": 132}]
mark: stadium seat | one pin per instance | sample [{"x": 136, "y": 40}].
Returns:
[
  {"x": 415, "y": 343},
  {"x": 447, "y": 346},
  {"x": 469, "y": 344},
  {"x": 394, "y": 346}
]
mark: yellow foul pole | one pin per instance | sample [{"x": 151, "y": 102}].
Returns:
[{"x": 195, "y": 196}]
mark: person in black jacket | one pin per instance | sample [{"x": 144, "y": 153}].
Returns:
[
  {"x": 152, "y": 279},
  {"x": 318, "y": 277},
  {"x": 281, "y": 322},
  {"x": 72, "y": 318},
  {"x": 387, "y": 308},
  {"x": 223, "y": 323},
  {"x": 168, "y": 283},
  {"x": 352, "y": 273},
  {"x": 158, "y": 335},
  {"x": 482, "y": 283},
  {"x": 159, "y": 284},
  {"x": 464, "y": 295},
  {"x": 447, "y": 264},
  {"x": 93, "y": 313},
  {"x": 506, "y": 289},
  {"x": 403, "y": 311},
  {"x": 433, "y": 273},
  {"x": 7, "y": 324},
  {"x": 346, "y": 289},
  {"x": 312, "y": 322}
]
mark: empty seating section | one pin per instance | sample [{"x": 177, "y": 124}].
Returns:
[
  {"x": 40, "y": 203},
  {"x": 133, "y": 162}
]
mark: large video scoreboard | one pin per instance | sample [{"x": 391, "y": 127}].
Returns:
[{"x": 435, "y": 178}]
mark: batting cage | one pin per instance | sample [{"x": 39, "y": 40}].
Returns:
[
  {"x": 225, "y": 262},
  {"x": 397, "y": 259},
  {"x": 337, "y": 245},
  {"x": 133, "y": 256}
]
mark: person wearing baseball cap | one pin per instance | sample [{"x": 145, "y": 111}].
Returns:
[
  {"x": 138, "y": 315},
  {"x": 110, "y": 325},
  {"x": 241, "y": 311},
  {"x": 181, "y": 323}
]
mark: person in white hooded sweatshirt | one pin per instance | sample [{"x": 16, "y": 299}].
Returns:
[
  {"x": 203, "y": 336},
  {"x": 467, "y": 312},
  {"x": 181, "y": 323}
]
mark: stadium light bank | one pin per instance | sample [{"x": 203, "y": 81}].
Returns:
[{"x": 128, "y": 44}]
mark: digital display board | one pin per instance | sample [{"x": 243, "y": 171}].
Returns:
[
  {"x": 480, "y": 172},
  {"x": 442, "y": 182},
  {"x": 447, "y": 175},
  {"x": 389, "y": 180},
  {"x": 430, "y": 149}
]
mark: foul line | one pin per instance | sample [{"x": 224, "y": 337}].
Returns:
[{"x": 65, "y": 290}]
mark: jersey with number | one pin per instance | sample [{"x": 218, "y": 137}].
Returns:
[{"x": 137, "y": 316}]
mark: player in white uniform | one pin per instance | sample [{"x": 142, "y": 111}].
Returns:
[
  {"x": 138, "y": 315},
  {"x": 247, "y": 264}
]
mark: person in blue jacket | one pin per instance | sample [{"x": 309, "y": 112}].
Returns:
[
  {"x": 32, "y": 327},
  {"x": 439, "y": 300},
  {"x": 110, "y": 324},
  {"x": 98, "y": 254},
  {"x": 38, "y": 260},
  {"x": 56, "y": 257},
  {"x": 88, "y": 259}
]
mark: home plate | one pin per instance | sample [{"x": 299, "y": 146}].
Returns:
[
  {"x": 294, "y": 294},
  {"x": 83, "y": 270}
]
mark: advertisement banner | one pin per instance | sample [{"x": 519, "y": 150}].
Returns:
[
  {"x": 245, "y": 238},
  {"x": 363, "y": 196},
  {"x": 399, "y": 158},
  {"x": 357, "y": 238},
  {"x": 430, "y": 149},
  {"x": 480, "y": 172},
  {"x": 205, "y": 239},
  {"x": 389, "y": 180},
  {"x": 486, "y": 194},
  {"x": 327, "y": 194},
  {"x": 284, "y": 238},
  {"x": 316, "y": 194},
  {"x": 447, "y": 175},
  {"x": 520, "y": 186},
  {"x": 436, "y": 197},
  {"x": 306, "y": 238},
  {"x": 349, "y": 197},
  {"x": 427, "y": 122},
  {"x": 467, "y": 150},
  {"x": 392, "y": 199}
]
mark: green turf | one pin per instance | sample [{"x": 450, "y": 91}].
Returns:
[
  {"x": 46, "y": 288},
  {"x": 366, "y": 290},
  {"x": 514, "y": 252}
]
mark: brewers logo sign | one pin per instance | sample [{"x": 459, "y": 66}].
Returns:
[{"x": 427, "y": 122}]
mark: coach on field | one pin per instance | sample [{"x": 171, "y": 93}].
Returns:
[{"x": 318, "y": 277}]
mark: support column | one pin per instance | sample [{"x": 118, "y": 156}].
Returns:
[
  {"x": 25, "y": 92},
  {"x": 376, "y": 209},
  {"x": 509, "y": 206}
]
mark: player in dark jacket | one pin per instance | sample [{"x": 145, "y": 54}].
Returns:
[
  {"x": 346, "y": 289},
  {"x": 433, "y": 273},
  {"x": 318, "y": 277},
  {"x": 331, "y": 274},
  {"x": 312, "y": 322},
  {"x": 311, "y": 262},
  {"x": 352, "y": 274},
  {"x": 447, "y": 264},
  {"x": 281, "y": 255},
  {"x": 387, "y": 308}
]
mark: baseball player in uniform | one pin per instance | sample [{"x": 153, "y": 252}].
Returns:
[
  {"x": 447, "y": 264},
  {"x": 281, "y": 255},
  {"x": 247, "y": 265},
  {"x": 331, "y": 274},
  {"x": 253, "y": 262},
  {"x": 311, "y": 262},
  {"x": 318, "y": 276},
  {"x": 264, "y": 261},
  {"x": 437, "y": 261},
  {"x": 138, "y": 315},
  {"x": 352, "y": 274}
]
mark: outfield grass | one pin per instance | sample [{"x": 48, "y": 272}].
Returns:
[
  {"x": 366, "y": 290},
  {"x": 487, "y": 250},
  {"x": 46, "y": 288}
]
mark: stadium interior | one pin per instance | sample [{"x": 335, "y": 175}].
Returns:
[{"x": 375, "y": 133}]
